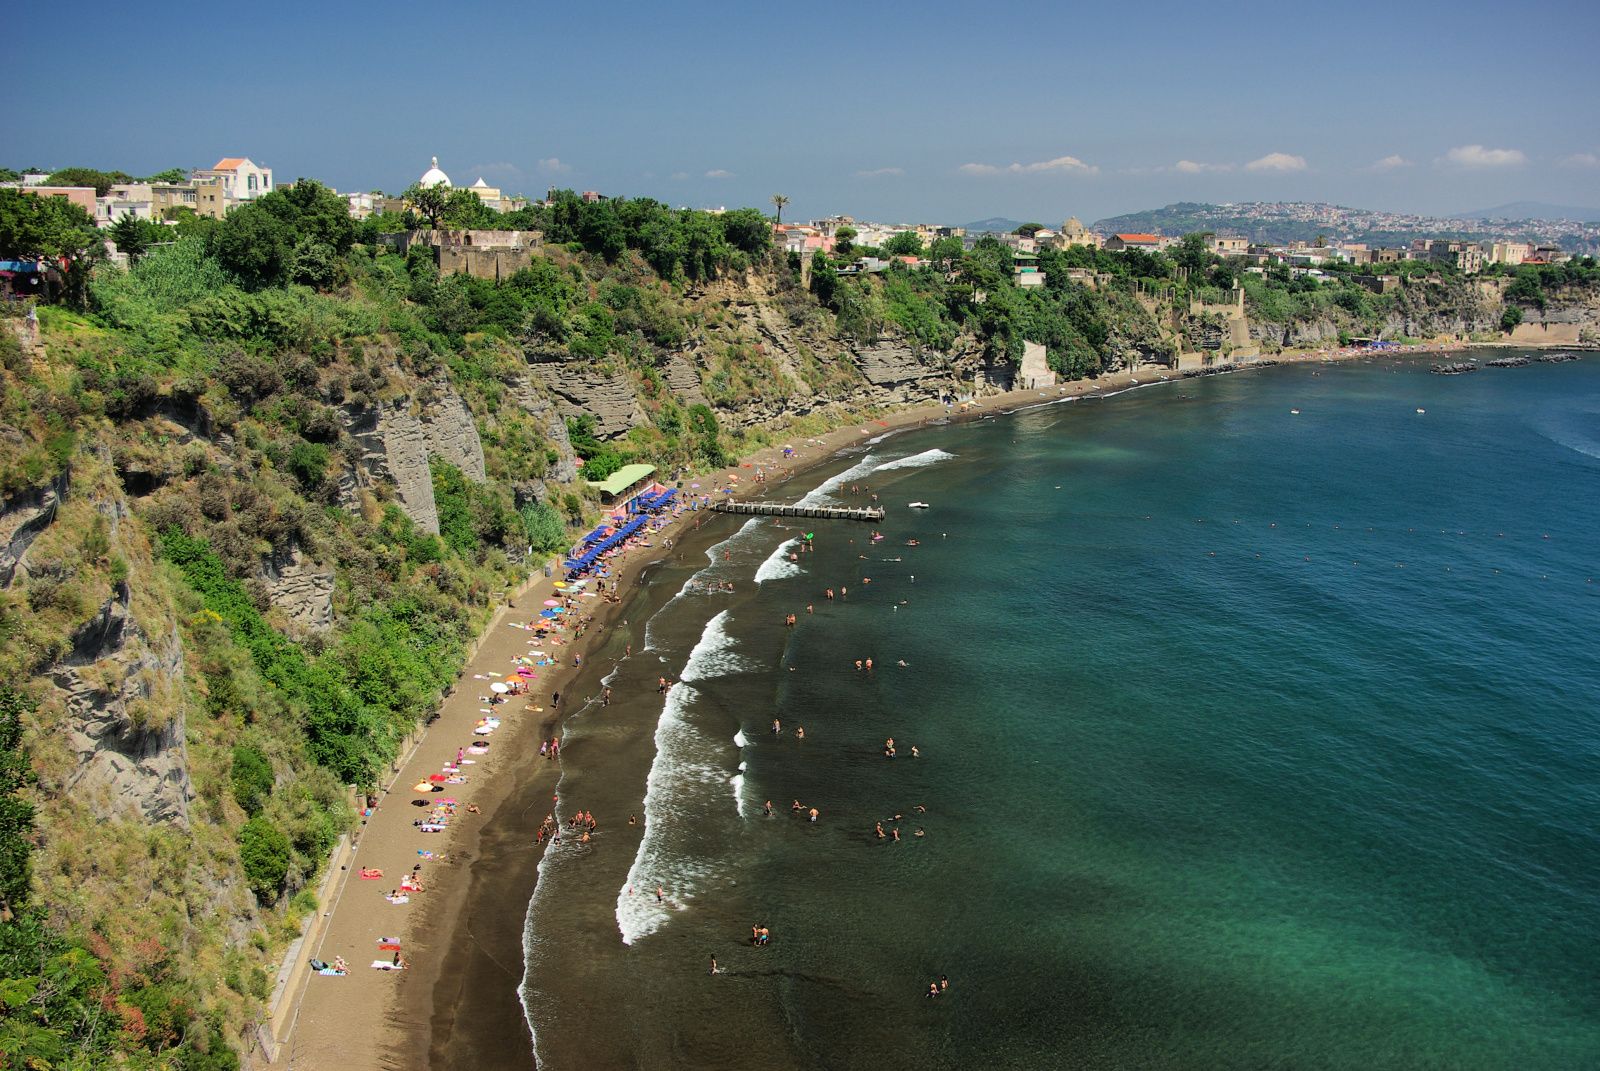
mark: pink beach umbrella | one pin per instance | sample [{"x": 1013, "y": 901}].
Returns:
[{"x": 551, "y": 602}]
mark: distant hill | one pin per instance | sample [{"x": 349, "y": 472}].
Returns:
[
  {"x": 1272, "y": 222},
  {"x": 1535, "y": 210},
  {"x": 994, "y": 223}
]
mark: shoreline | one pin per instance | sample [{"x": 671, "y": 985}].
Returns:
[{"x": 460, "y": 1002}]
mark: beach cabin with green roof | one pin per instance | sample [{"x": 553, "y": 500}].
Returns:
[{"x": 620, "y": 487}]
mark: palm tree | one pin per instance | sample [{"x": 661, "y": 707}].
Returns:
[{"x": 778, "y": 201}]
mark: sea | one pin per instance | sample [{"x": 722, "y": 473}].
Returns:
[{"x": 1250, "y": 721}]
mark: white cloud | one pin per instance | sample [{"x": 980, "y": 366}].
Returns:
[
  {"x": 553, "y": 166},
  {"x": 1390, "y": 163},
  {"x": 499, "y": 168},
  {"x": 1191, "y": 167},
  {"x": 1277, "y": 161},
  {"x": 881, "y": 172},
  {"x": 1060, "y": 163},
  {"x": 1582, "y": 159},
  {"x": 1478, "y": 156},
  {"x": 718, "y": 172}
]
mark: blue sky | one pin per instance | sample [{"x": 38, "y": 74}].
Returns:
[{"x": 885, "y": 110}]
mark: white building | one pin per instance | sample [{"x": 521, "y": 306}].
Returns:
[
  {"x": 434, "y": 177},
  {"x": 133, "y": 198},
  {"x": 241, "y": 178}
]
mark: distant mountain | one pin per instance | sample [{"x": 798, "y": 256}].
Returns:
[
  {"x": 1274, "y": 222},
  {"x": 1535, "y": 210},
  {"x": 994, "y": 223}
]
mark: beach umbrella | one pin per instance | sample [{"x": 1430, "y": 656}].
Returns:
[
  {"x": 437, "y": 778},
  {"x": 422, "y": 786},
  {"x": 499, "y": 688},
  {"x": 551, "y": 602},
  {"x": 560, "y": 585}
]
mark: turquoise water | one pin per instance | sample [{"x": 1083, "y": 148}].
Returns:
[{"x": 1248, "y": 739}]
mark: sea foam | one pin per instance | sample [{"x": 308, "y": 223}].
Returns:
[
  {"x": 778, "y": 566},
  {"x": 682, "y": 766},
  {"x": 917, "y": 461}
]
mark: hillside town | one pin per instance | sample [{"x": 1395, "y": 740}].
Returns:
[{"x": 860, "y": 246}]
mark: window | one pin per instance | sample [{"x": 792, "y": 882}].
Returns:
[{"x": 251, "y": 182}]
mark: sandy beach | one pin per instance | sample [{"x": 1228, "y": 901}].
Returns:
[{"x": 457, "y": 1003}]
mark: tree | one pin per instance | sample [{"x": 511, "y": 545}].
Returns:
[
  {"x": 264, "y": 854},
  {"x": 131, "y": 236},
  {"x": 312, "y": 212},
  {"x": 1193, "y": 252},
  {"x": 429, "y": 201},
  {"x": 1510, "y": 318},
  {"x": 746, "y": 229},
  {"x": 842, "y": 239},
  {"x": 1028, "y": 230},
  {"x": 904, "y": 244},
  {"x": 601, "y": 231},
  {"x": 34, "y": 227},
  {"x": 778, "y": 202},
  {"x": 41, "y": 226},
  {"x": 253, "y": 245},
  {"x": 102, "y": 181},
  {"x": 170, "y": 175},
  {"x": 947, "y": 251}
]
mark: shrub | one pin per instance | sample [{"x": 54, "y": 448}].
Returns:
[
  {"x": 308, "y": 463},
  {"x": 264, "y": 854},
  {"x": 252, "y": 779}
]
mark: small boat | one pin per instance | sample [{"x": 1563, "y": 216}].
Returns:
[
  {"x": 1294, "y": 412},
  {"x": 917, "y": 505},
  {"x": 1422, "y": 410}
]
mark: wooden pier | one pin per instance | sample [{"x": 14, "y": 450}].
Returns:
[{"x": 778, "y": 509}]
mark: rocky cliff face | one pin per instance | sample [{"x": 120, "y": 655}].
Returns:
[
  {"x": 117, "y": 688},
  {"x": 301, "y": 590},
  {"x": 392, "y": 440},
  {"x": 22, "y": 518}
]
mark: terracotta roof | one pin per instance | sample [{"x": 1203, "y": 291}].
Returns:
[
  {"x": 229, "y": 163},
  {"x": 1138, "y": 237}
]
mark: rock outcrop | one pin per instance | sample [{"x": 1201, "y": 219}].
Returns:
[
  {"x": 301, "y": 591},
  {"x": 391, "y": 443},
  {"x": 610, "y": 399},
  {"x": 124, "y": 723},
  {"x": 452, "y": 433},
  {"x": 551, "y": 423},
  {"x": 22, "y": 518}
]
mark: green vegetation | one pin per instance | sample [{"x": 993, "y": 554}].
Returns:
[{"x": 207, "y": 419}]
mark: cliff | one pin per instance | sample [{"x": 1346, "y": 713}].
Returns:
[{"x": 248, "y": 527}]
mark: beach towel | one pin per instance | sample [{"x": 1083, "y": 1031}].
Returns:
[
  {"x": 371, "y": 875},
  {"x": 331, "y": 973},
  {"x": 385, "y": 965},
  {"x": 390, "y": 947}
]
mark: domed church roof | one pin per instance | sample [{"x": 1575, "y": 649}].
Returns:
[{"x": 433, "y": 176}]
